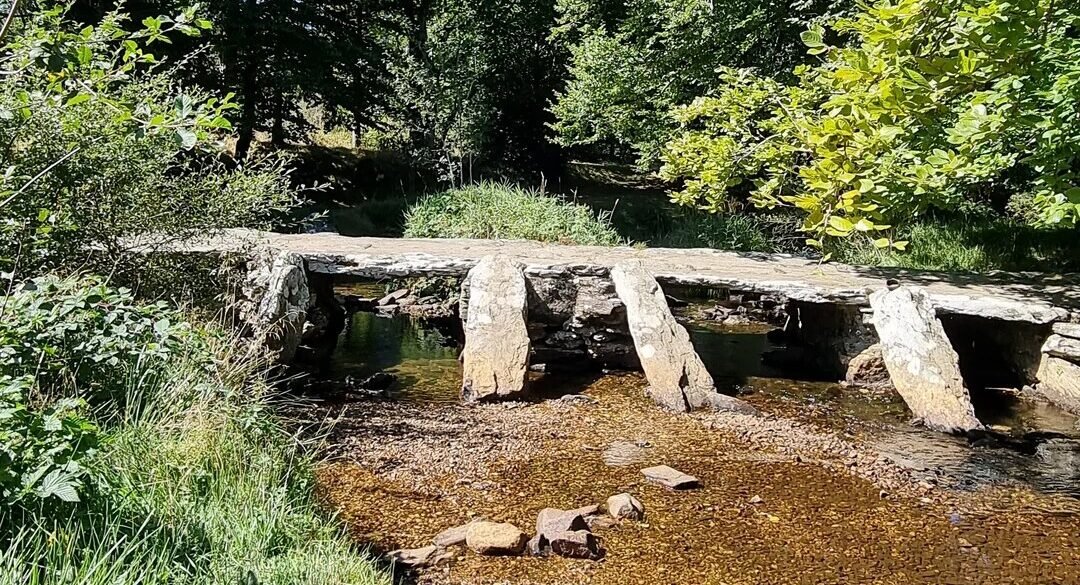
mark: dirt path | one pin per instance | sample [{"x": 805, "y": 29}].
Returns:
[{"x": 404, "y": 472}]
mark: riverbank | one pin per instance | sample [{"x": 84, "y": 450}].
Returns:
[{"x": 829, "y": 509}]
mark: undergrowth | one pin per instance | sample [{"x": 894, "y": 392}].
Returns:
[{"x": 167, "y": 465}]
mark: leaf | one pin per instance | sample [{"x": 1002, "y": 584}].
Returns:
[
  {"x": 882, "y": 243},
  {"x": 813, "y": 37},
  {"x": 841, "y": 224},
  {"x": 79, "y": 99},
  {"x": 187, "y": 138},
  {"x": 60, "y": 485}
]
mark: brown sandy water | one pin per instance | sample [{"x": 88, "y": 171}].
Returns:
[{"x": 403, "y": 470}]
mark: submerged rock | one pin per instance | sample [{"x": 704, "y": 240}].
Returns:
[
  {"x": 626, "y": 507},
  {"x": 495, "y": 539},
  {"x": 453, "y": 536},
  {"x": 670, "y": 478},
  {"x": 417, "y": 558},
  {"x": 578, "y": 544},
  {"x": 552, "y": 520}
]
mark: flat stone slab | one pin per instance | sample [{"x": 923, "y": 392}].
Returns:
[
  {"x": 1063, "y": 347},
  {"x": 921, "y": 361},
  {"x": 1068, "y": 330},
  {"x": 670, "y": 478},
  {"x": 496, "y": 354},
  {"x": 678, "y": 380},
  {"x": 1030, "y": 297}
]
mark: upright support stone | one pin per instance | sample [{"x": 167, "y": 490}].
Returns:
[
  {"x": 276, "y": 302},
  {"x": 496, "y": 354},
  {"x": 921, "y": 361},
  {"x": 677, "y": 377}
]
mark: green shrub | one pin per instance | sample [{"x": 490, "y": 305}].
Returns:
[
  {"x": 174, "y": 471},
  {"x": 495, "y": 211},
  {"x": 103, "y": 144}
]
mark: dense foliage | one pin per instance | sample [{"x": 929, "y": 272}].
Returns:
[
  {"x": 491, "y": 210},
  {"x": 931, "y": 105},
  {"x": 632, "y": 62},
  {"x": 103, "y": 144},
  {"x": 136, "y": 447}
]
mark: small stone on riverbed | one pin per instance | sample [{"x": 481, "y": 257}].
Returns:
[
  {"x": 578, "y": 544},
  {"x": 417, "y": 558},
  {"x": 625, "y": 506},
  {"x": 672, "y": 479},
  {"x": 453, "y": 536},
  {"x": 551, "y": 521},
  {"x": 495, "y": 539}
]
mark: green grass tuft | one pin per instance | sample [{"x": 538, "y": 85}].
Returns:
[{"x": 496, "y": 211}]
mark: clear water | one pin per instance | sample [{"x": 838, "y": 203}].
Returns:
[{"x": 1037, "y": 448}]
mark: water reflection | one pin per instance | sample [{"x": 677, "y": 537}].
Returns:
[{"x": 424, "y": 359}]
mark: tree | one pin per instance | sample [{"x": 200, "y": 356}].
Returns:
[
  {"x": 101, "y": 143},
  {"x": 634, "y": 60},
  {"x": 931, "y": 105}
]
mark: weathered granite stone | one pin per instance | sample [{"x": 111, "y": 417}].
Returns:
[
  {"x": 626, "y": 507},
  {"x": 417, "y": 558},
  {"x": 453, "y": 536},
  {"x": 922, "y": 363},
  {"x": 1068, "y": 330},
  {"x": 538, "y": 546},
  {"x": 868, "y": 370},
  {"x": 579, "y": 544},
  {"x": 1066, "y": 348},
  {"x": 1059, "y": 382},
  {"x": 551, "y": 521},
  {"x": 670, "y": 478},
  {"x": 276, "y": 302},
  {"x": 495, "y": 539},
  {"x": 677, "y": 377},
  {"x": 496, "y": 354},
  {"x": 586, "y": 511}
]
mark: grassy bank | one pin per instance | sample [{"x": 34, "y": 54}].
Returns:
[{"x": 141, "y": 449}]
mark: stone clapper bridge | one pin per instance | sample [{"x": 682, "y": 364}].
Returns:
[{"x": 932, "y": 331}]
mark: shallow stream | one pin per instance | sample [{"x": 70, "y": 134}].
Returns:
[{"x": 1033, "y": 444}]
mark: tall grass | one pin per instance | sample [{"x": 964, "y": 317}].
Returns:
[
  {"x": 973, "y": 245},
  {"x": 196, "y": 482},
  {"x": 498, "y": 211}
]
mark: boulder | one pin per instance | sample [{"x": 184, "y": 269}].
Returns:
[
  {"x": 578, "y": 544},
  {"x": 921, "y": 361},
  {"x": 538, "y": 546},
  {"x": 416, "y": 558},
  {"x": 552, "y": 520},
  {"x": 495, "y": 539},
  {"x": 677, "y": 377},
  {"x": 496, "y": 354},
  {"x": 625, "y": 506},
  {"x": 670, "y": 478},
  {"x": 868, "y": 369}
]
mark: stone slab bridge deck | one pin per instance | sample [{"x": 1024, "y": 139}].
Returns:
[
  {"x": 1026, "y": 297},
  {"x": 933, "y": 332}
]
